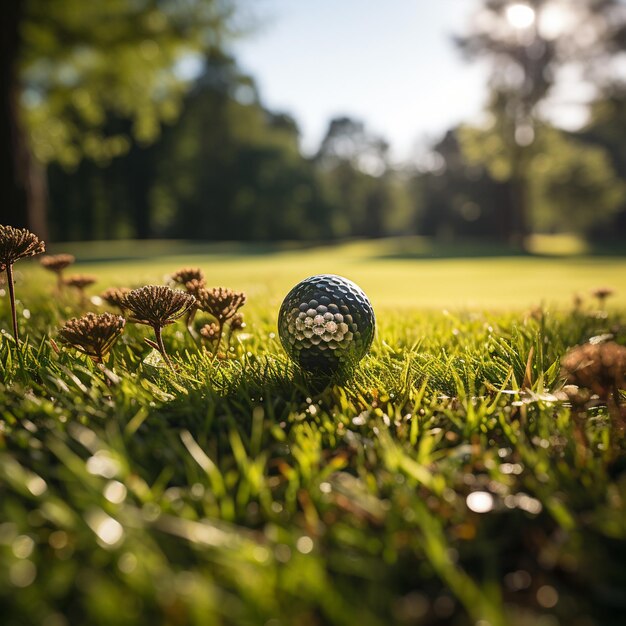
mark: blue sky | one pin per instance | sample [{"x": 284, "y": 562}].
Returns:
[{"x": 390, "y": 63}]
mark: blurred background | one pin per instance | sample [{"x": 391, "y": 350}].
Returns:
[{"x": 497, "y": 121}]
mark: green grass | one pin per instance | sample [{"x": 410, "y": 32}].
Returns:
[
  {"x": 237, "y": 491},
  {"x": 396, "y": 273}
]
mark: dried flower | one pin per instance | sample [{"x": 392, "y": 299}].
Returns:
[
  {"x": 57, "y": 263},
  {"x": 600, "y": 367},
  {"x": 194, "y": 286},
  {"x": 80, "y": 282},
  {"x": 157, "y": 306},
  {"x": 210, "y": 331},
  {"x": 15, "y": 244},
  {"x": 187, "y": 275},
  {"x": 115, "y": 296},
  {"x": 602, "y": 293},
  {"x": 237, "y": 323},
  {"x": 192, "y": 279},
  {"x": 221, "y": 303},
  {"x": 18, "y": 243},
  {"x": 93, "y": 334}
]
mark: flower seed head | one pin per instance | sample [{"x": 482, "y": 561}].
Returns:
[
  {"x": 18, "y": 243},
  {"x": 602, "y": 293},
  {"x": 93, "y": 334},
  {"x": 115, "y": 296},
  {"x": 80, "y": 281},
  {"x": 220, "y": 302},
  {"x": 156, "y": 305},
  {"x": 599, "y": 367},
  {"x": 210, "y": 331},
  {"x": 57, "y": 262},
  {"x": 194, "y": 286},
  {"x": 188, "y": 274},
  {"x": 236, "y": 322}
]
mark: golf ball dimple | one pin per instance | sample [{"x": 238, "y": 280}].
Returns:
[{"x": 326, "y": 324}]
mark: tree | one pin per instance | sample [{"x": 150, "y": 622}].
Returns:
[
  {"x": 607, "y": 129},
  {"x": 459, "y": 197},
  {"x": 529, "y": 45},
  {"x": 572, "y": 185},
  {"x": 353, "y": 164},
  {"x": 68, "y": 65},
  {"x": 232, "y": 170}
]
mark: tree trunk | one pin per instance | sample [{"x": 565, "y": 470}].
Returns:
[
  {"x": 519, "y": 200},
  {"x": 23, "y": 180},
  {"x": 142, "y": 162}
]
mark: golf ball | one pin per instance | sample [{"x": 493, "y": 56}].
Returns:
[{"x": 326, "y": 324}]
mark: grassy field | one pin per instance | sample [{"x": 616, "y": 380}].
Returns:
[
  {"x": 446, "y": 482},
  {"x": 396, "y": 273}
]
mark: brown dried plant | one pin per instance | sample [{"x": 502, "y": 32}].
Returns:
[
  {"x": 115, "y": 296},
  {"x": 93, "y": 334},
  {"x": 237, "y": 323},
  {"x": 192, "y": 279},
  {"x": 598, "y": 369},
  {"x": 188, "y": 274},
  {"x": 601, "y": 294},
  {"x": 210, "y": 331},
  {"x": 80, "y": 282},
  {"x": 57, "y": 263},
  {"x": 222, "y": 304},
  {"x": 157, "y": 306},
  {"x": 194, "y": 286},
  {"x": 16, "y": 244}
]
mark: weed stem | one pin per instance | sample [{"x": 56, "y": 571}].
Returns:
[
  {"x": 9, "y": 269},
  {"x": 160, "y": 344}
]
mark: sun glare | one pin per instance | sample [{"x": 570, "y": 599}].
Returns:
[
  {"x": 554, "y": 19},
  {"x": 520, "y": 15}
]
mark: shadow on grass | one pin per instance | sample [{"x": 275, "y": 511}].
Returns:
[
  {"x": 135, "y": 250},
  {"x": 391, "y": 248}
]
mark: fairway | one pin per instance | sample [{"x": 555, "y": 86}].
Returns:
[
  {"x": 450, "y": 478},
  {"x": 384, "y": 269}
]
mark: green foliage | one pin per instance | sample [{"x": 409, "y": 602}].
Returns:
[
  {"x": 574, "y": 184},
  {"x": 526, "y": 62},
  {"x": 235, "y": 491},
  {"x": 83, "y": 63},
  {"x": 566, "y": 176}
]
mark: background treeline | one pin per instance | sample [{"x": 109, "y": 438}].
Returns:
[
  {"x": 230, "y": 169},
  {"x": 112, "y": 141}
]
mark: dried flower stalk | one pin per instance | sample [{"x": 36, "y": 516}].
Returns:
[
  {"x": 222, "y": 304},
  {"x": 93, "y": 334},
  {"x": 57, "y": 263},
  {"x": 16, "y": 244},
  {"x": 210, "y": 331},
  {"x": 80, "y": 282},
  {"x": 237, "y": 323},
  {"x": 157, "y": 307},
  {"x": 115, "y": 296},
  {"x": 602, "y": 293},
  {"x": 188, "y": 275},
  {"x": 192, "y": 279},
  {"x": 600, "y": 368}
]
